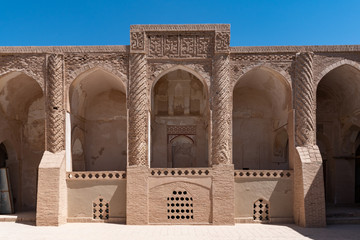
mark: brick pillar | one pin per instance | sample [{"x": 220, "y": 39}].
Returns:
[
  {"x": 223, "y": 169},
  {"x": 137, "y": 205},
  {"x": 309, "y": 199},
  {"x": 51, "y": 196}
]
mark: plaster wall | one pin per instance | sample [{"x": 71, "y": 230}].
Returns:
[
  {"x": 81, "y": 195},
  {"x": 22, "y": 127},
  {"x": 278, "y": 192},
  {"x": 99, "y": 123},
  {"x": 260, "y": 117},
  {"x": 161, "y": 188},
  {"x": 338, "y": 130}
]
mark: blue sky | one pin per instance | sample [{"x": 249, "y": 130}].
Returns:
[{"x": 253, "y": 23}]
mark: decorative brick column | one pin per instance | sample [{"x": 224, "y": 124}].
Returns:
[
  {"x": 223, "y": 169},
  {"x": 304, "y": 100},
  {"x": 137, "y": 206},
  {"x": 55, "y": 133},
  {"x": 309, "y": 199},
  {"x": 138, "y": 111},
  {"x": 51, "y": 197}
]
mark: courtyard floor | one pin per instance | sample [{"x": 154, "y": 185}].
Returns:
[{"x": 89, "y": 231}]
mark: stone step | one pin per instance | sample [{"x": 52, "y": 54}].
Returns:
[
  {"x": 19, "y": 217},
  {"x": 343, "y": 220}
]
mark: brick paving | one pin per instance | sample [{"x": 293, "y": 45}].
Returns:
[{"x": 89, "y": 231}]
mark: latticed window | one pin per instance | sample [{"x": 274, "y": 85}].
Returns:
[
  {"x": 261, "y": 211},
  {"x": 180, "y": 206},
  {"x": 101, "y": 209}
]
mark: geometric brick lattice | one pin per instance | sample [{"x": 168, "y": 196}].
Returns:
[
  {"x": 101, "y": 209},
  {"x": 180, "y": 206},
  {"x": 261, "y": 211}
]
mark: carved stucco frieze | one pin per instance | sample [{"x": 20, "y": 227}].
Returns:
[
  {"x": 169, "y": 46},
  {"x": 181, "y": 129},
  {"x": 55, "y": 104},
  {"x": 138, "y": 111},
  {"x": 304, "y": 99}
]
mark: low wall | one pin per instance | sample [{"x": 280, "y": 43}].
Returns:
[
  {"x": 90, "y": 191},
  {"x": 180, "y": 196},
  {"x": 274, "y": 187}
]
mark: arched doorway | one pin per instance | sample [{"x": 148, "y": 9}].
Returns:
[
  {"x": 261, "y": 101},
  {"x": 357, "y": 173},
  {"x": 338, "y": 121},
  {"x": 98, "y": 116},
  {"x": 3, "y": 156},
  {"x": 179, "y": 121},
  {"x": 22, "y": 131}
]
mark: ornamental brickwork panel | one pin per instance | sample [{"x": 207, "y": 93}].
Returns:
[{"x": 180, "y": 45}]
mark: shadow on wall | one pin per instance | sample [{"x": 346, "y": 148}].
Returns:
[
  {"x": 315, "y": 198},
  {"x": 81, "y": 195},
  {"x": 179, "y": 123},
  {"x": 22, "y": 124},
  {"x": 261, "y": 101},
  {"x": 98, "y": 121},
  {"x": 278, "y": 192}
]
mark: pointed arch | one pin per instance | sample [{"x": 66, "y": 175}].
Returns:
[
  {"x": 22, "y": 127},
  {"x": 338, "y": 119},
  {"x": 184, "y": 68},
  {"x": 335, "y": 65},
  {"x": 279, "y": 74},
  {"x": 90, "y": 67},
  {"x": 261, "y": 102},
  {"x": 26, "y": 72},
  {"x": 88, "y": 71},
  {"x": 96, "y": 103},
  {"x": 179, "y": 96}
]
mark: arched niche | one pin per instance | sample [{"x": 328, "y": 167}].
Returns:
[
  {"x": 338, "y": 121},
  {"x": 98, "y": 118},
  {"x": 22, "y": 132},
  {"x": 261, "y": 101},
  {"x": 182, "y": 151},
  {"x": 179, "y": 108}
]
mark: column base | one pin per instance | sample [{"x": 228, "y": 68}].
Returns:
[
  {"x": 52, "y": 191},
  {"x": 137, "y": 200},
  {"x": 309, "y": 197},
  {"x": 223, "y": 195}
]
